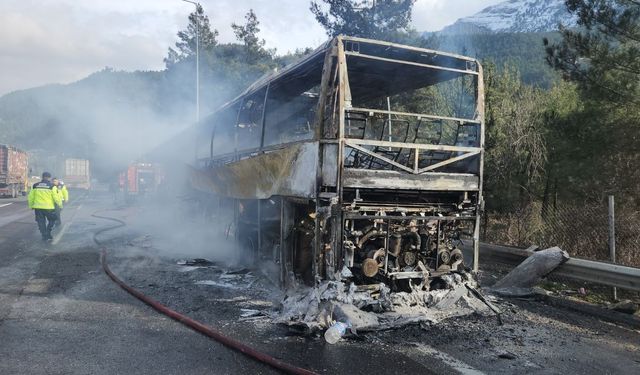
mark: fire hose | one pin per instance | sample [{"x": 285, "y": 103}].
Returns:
[{"x": 191, "y": 323}]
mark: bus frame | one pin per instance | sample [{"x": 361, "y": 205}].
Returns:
[{"x": 307, "y": 201}]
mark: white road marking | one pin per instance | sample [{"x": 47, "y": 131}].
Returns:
[
  {"x": 66, "y": 225},
  {"x": 455, "y": 363},
  {"x": 58, "y": 236},
  {"x": 5, "y": 205}
]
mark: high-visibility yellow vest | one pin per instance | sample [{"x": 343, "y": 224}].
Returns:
[{"x": 44, "y": 196}]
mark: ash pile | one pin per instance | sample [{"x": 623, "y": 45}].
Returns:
[{"x": 375, "y": 307}]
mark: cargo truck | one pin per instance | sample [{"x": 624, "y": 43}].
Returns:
[
  {"x": 77, "y": 174},
  {"x": 14, "y": 170}
]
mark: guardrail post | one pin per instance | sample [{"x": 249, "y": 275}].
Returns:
[
  {"x": 612, "y": 238},
  {"x": 476, "y": 243}
]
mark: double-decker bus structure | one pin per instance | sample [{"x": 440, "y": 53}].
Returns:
[{"x": 361, "y": 161}]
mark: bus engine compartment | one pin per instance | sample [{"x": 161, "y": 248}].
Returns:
[{"x": 405, "y": 247}]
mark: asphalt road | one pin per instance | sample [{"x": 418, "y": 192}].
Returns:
[{"x": 60, "y": 314}]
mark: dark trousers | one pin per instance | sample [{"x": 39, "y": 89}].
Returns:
[
  {"x": 58, "y": 215},
  {"x": 46, "y": 219}
]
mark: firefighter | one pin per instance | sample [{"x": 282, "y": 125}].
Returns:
[
  {"x": 62, "y": 192},
  {"x": 43, "y": 199}
]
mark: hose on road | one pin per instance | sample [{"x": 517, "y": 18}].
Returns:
[{"x": 191, "y": 323}]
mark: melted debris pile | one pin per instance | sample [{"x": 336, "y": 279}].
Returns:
[
  {"x": 239, "y": 278},
  {"x": 375, "y": 307}
]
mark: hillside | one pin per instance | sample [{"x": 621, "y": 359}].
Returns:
[
  {"x": 515, "y": 16},
  {"x": 108, "y": 113},
  {"x": 118, "y": 114},
  {"x": 522, "y": 50},
  {"x": 510, "y": 32}
]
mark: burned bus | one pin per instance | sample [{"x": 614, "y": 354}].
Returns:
[{"x": 362, "y": 161}]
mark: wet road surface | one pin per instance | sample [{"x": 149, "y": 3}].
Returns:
[{"x": 60, "y": 314}]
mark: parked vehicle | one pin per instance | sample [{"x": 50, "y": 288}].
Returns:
[
  {"x": 77, "y": 174},
  {"x": 141, "y": 178},
  {"x": 14, "y": 169}
]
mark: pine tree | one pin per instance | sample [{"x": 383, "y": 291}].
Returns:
[
  {"x": 198, "y": 27},
  {"x": 603, "y": 57},
  {"x": 377, "y": 19},
  {"x": 603, "y": 53},
  {"x": 248, "y": 35}
]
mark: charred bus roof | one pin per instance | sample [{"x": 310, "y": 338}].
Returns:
[{"x": 363, "y": 54}]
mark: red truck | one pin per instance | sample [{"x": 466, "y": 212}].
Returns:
[
  {"x": 14, "y": 171},
  {"x": 141, "y": 178}
]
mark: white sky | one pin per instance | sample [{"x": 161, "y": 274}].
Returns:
[{"x": 60, "y": 41}]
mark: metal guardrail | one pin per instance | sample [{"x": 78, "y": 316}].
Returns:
[{"x": 578, "y": 269}]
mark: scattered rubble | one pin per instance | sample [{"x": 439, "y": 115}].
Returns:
[
  {"x": 238, "y": 271},
  {"x": 507, "y": 355},
  {"x": 198, "y": 262},
  {"x": 188, "y": 265},
  {"x": 253, "y": 314},
  {"x": 241, "y": 278},
  {"x": 218, "y": 284},
  {"x": 374, "y": 307},
  {"x": 230, "y": 281}
]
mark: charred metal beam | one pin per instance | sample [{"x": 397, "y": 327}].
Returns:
[
  {"x": 419, "y": 115},
  {"x": 435, "y": 67},
  {"x": 357, "y": 216},
  {"x": 446, "y": 162},
  {"x": 378, "y": 156},
  {"x": 430, "y": 181},
  {"x": 410, "y": 48},
  {"x": 371, "y": 142}
]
